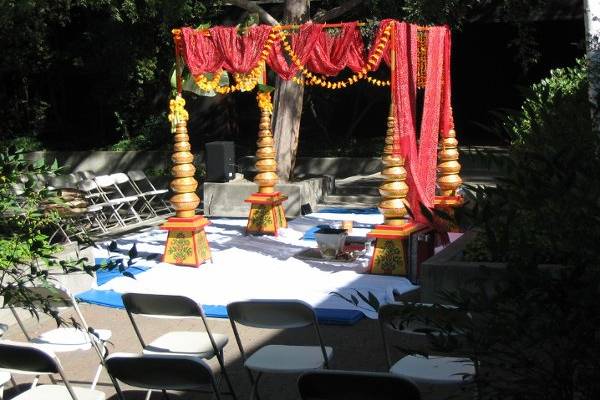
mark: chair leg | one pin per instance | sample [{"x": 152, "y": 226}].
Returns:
[
  {"x": 225, "y": 374},
  {"x": 254, "y": 389},
  {"x": 96, "y": 377}
]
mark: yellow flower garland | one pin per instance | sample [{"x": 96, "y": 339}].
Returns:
[
  {"x": 177, "y": 112},
  {"x": 264, "y": 101},
  {"x": 308, "y": 78}
]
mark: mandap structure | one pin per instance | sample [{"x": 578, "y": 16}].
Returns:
[{"x": 418, "y": 155}]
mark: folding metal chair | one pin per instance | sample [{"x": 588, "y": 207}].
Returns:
[
  {"x": 201, "y": 344},
  {"x": 144, "y": 187},
  {"x": 96, "y": 215},
  {"x": 161, "y": 372},
  {"x": 282, "y": 359},
  {"x": 25, "y": 358},
  {"x": 443, "y": 372},
  {"x": 121, "y": 205},
  {"x": 354, "y": 385},
  {"x": 64, "y": 338},
  {"x": 126, "y": 187}
]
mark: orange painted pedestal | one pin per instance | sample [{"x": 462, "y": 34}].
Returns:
[
  {"x": 390, "y": 256},
  {"x": 186, "y": 243},
  {"x": 266, "y": 214},
  {"x": 448, "y": 204}
]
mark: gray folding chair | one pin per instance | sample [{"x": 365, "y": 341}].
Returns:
[
  {"x": 62, "y": 339},
  {"x": 201, "y": 344},
  {"x": 444, "y": 372},
  {"x": 125, "y": 187},
  {"x": 144, "y": 187},
  {"x": 25, "y": 358},
  {"x": 354, "y": 385},
  {"x": 161, "y": 372},
  {"x": 286, "y": 359},
  {"x": 122, "y": 206}
]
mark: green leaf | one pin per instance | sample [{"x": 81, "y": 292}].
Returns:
[{"x": 265, "y": 88}]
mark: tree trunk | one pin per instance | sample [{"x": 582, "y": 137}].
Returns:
[
  {"x": 288, "y": 103},
  {"x": 592, "y": 33}
]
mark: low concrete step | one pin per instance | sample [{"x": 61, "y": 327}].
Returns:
[
  {"x": 360, "y": 200},
  {"x": 356, "y": 190}
]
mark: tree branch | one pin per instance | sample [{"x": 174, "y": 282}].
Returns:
[
  {"x": 327, "y": 15},
  {"x": 251, "y": 6}
]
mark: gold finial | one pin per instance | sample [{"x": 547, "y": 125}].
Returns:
[
  {"x": 184, "y": 185},
  {"x": 394, "y": 188},
  {"x": 265, "y": 153},
  {"x": 448, "y": 166}
]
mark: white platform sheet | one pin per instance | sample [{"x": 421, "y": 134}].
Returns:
[{"x": 251, "y": 267}]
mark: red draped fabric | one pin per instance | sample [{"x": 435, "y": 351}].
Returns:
[
  {"x": 331, "y": 54},
  {"x": 323, "y": 53},
  {"x": 223, "y": 48},
  {"x": 200, "y": 52},
  {"x": 302, "y": 43}
]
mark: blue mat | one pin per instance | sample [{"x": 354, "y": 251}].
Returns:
[
  {"x": 108, "y": 298},
  {"x": 339, "y": 210}
]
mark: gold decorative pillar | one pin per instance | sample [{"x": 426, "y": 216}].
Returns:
[
  {"x": 448, "y": 179},
  {"x": 186, "y": 242},
  {"x": 390, "y": 255},
  {"x": 267, "y": 214}
]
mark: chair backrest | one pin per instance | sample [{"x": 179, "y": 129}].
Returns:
[
  {"x": 27, "y": 359},
  {"x": 160, "y": 371},
  {"x": 347, "y": 385},
  {"x": 136, "y": 175},
  {"x": 158, "y": 305},
  {"x": 86, "y": 174},
  {"x": 432, "y": 328},
  {"x": 87, "y": 185},
  {"x": 65, "y": 181},
  {"x": 104, "y": 181},
  {"x": 48, "y": 296},
  {"x": 272, "y": 314}
]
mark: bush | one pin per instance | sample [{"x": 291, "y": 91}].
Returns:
[{"x": 537, "y": 335}]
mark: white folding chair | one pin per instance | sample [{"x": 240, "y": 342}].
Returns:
[
  {"x": 142, "y": 204},
  {"x": 161, "y": 372},
  {"x": 144, "y": 187},
  {"x": 282, "y": 359},
  {"x": 64, "y": 338},
  {"x": 121, "y": 205},
  {"x": 25, "y": 358},
  {"x": 202, "y": 344},
  {"x": 443, "y": 372}
]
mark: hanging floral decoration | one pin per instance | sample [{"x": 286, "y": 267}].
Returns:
[{"x": 177, "y": 112}]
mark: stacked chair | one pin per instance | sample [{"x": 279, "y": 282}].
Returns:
[{"x": 103, "y": 203}]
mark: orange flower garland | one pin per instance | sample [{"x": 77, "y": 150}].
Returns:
[
  {"x": 310, "y": 79},
  {"x": 243, "y": 82}
]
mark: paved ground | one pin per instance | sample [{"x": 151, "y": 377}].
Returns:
[{"x": 355, "y": 347}]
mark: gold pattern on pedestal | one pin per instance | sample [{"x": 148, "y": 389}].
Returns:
[
  {"x": 186, "y": 243},
  {"x": 448, "y": 166},
  {"x": 394, "y": 189},
  {"x": 266, "y": 213}
]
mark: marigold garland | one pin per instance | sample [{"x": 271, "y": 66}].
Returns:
[
  {"x": 264, "y": 101},
  {"x": 309, "y": 78},
  {"x": 177, "y": 112},
  {"x": 243, "y": 82}
]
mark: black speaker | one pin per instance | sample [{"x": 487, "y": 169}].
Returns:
[{"x": 220, "y": 161}]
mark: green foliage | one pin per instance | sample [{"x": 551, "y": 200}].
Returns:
[
  {"x": 26, "y": 254},
  {"x": 536, "y": 332},
  {"x": 98, "y": 66}
]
